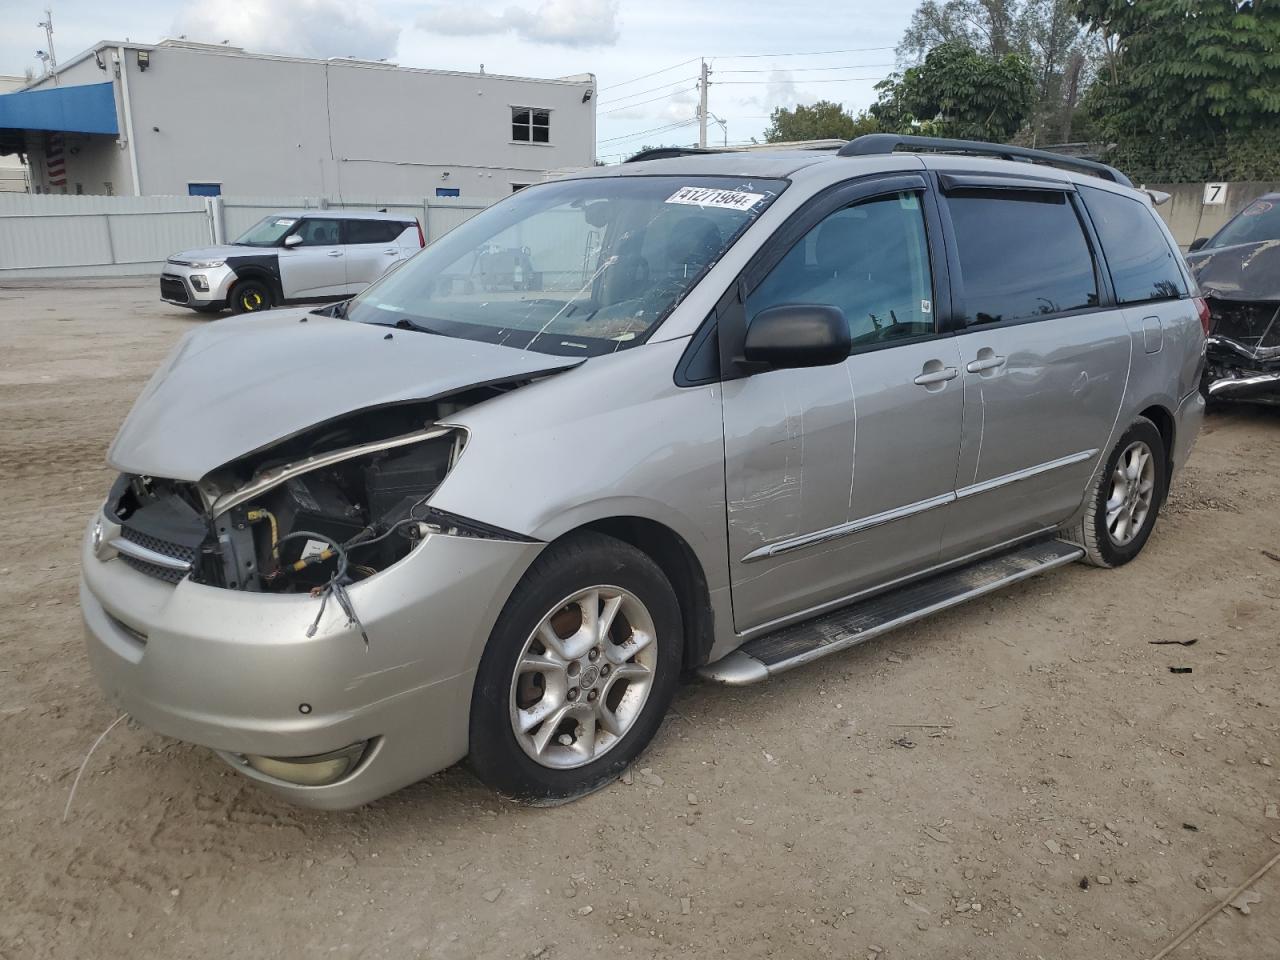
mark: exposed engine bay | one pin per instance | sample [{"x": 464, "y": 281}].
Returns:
[
  {"x": 1242, "y": 354},
  {"x": 328, "y": 507},
  {"x": 1241, "y": 284}
]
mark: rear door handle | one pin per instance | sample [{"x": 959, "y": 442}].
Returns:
[
  {"x": 986, "y": 363},
  {"x": 335, "y": 253},
  {"x": 937, "y": 376},
  {"x": 391, "y": 252}
]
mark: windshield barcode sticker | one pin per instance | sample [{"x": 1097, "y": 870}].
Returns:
[{"x": 711, "y": 197}]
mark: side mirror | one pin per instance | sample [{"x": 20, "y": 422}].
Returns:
[
  {"x": 797, "y": 335},
  {"x": 1197, "y": 243},
  {"x": 292, "y": 240}
]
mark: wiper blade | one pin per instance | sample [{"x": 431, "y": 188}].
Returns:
[{"x": 404, "y": 323}]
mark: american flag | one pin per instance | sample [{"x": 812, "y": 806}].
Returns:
[{"x": 54, "y": 160}]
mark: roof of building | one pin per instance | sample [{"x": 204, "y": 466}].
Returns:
[{"x": 222, "y": 49}]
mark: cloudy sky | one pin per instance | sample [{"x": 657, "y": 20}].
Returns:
[{"x": 762, "y": 53}]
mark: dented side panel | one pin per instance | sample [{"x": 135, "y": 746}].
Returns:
[
  {"x": 839, "y": 477},
  {"x": 616, "y": 438}
]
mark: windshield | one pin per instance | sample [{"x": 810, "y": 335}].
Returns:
[
  {"x": 1257, "y": 222},
  {"x": 267, "y": 232},
  {"x": 579, "y": 267}
]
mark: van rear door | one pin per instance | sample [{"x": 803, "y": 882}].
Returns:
[{"x": 1045, "y": 356}]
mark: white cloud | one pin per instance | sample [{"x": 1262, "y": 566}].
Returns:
[
  {"x": 779, "y": 91},
  {"x": 306, "y": 28},
  {"x": 571, "y": 23}
]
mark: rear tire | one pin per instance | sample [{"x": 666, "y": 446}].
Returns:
[
  {"x": 250, "y": 296},
  {"x": 1125, "y": 498},
  {"x": 564, "y": 699}
]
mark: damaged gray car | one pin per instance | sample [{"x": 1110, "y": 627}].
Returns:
[
  {"x": 730, "y": 413},
  {"x": 1238, "y": 270}
]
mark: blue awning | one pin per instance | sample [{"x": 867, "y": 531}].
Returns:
[{"x": 85, "y": 109}]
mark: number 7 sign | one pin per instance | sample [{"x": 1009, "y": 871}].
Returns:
[{"x": 1215, "y": 194}]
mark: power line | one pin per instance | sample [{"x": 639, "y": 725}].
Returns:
[
  {"x": 641, "y": 93},
  {"x": 849, "y": 66},
  {"x": 645, "y": 133},
  {"x": 646, "y": 76},
  {"x": 641, "y": 103},
  {"x": 723, "y": 83},
  {"x": 811, "y": 53}
]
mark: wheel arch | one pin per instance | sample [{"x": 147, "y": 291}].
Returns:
[
  {"x": 1163, "y": 419},
  {"x": 262, "y": 275},
  {"x": 672, "y": 553}
]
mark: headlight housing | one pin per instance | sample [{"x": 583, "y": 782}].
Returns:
[{"x": 205, "y": 264}]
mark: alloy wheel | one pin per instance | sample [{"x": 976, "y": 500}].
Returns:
[
  {"x": 1132, "y": 493},
  {"x": 583, "y": 677}
]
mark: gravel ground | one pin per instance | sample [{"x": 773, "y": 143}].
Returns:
[{"x": 776, "y": 821}]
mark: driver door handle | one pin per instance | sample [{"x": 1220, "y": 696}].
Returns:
[
  {"x": 937, "y": 376},
  {"x": 986, "y": 363},
  {"x": 335, "y": 253}
]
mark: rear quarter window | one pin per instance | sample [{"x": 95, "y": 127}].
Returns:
[
  {"x": 1023, "y": 255},
  {"x": 1143, "y": 265},
  {"x": 372, "y": 231}
]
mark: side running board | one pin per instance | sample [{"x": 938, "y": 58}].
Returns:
[{"x": 802, "y": 643}]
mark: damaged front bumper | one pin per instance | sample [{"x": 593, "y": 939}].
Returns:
[{"x": 236, "y": 671}]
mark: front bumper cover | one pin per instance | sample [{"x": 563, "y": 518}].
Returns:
[
  {"x": 233, "y": 670},
  {"x": 218, "y": 282}
]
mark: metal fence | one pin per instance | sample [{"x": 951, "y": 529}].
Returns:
[{"x": 75, "y": 236}]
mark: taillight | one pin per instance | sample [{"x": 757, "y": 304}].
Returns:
[
  {"x": 422, "y": 239},
  {"x": 1202, "y": 307}
]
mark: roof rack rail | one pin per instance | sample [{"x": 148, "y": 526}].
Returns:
[
  {"x": 881, "y": 143},
  {"x": 665, "y": 153}
]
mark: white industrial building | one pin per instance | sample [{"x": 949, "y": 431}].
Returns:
[
  {"x": 13, "y": 172},
  {"x": 182, "y": 118}
]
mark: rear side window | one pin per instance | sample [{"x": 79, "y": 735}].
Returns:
[
  {"x": 1141, "y": 261},
  {"x": 372, "y": 231},
  {"x": 1023, "y": 254}
]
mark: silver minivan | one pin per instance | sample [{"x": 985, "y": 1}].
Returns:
[{"x": 729, "y": 413}]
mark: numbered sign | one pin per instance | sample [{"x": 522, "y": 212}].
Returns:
[{"x": 1215, "y": 194}]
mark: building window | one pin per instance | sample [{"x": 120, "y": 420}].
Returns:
[
  {"x": 530, "y": 125},
  {"x": 517, "y": 187},
  {"x": 204, "y": 189},
  {"x": 448, "y": 192}
]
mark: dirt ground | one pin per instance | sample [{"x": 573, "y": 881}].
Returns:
[{"x": 776, "y": 821}]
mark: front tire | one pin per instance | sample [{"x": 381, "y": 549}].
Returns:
[
  {"x": 1125, "y": 498},
  {"x": 578, "y": 672},
  {"x": 250, "y": 296}
]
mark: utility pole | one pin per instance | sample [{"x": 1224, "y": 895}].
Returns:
[
  {"x": 702, "y": 106},
  {"x": 50, "y": 59}
]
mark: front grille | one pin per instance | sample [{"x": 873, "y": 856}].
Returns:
[
  {"x": 154, "y": 570},
  {"x": 169, "y": 549},
  {"x": 155, "y": 544},
  {"x": 172, "y": 288}
]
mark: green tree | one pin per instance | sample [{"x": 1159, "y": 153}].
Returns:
[
  {"x": 958, "y": 92},
  {"x": 1045, "y": 33},
  {"x": 1178, "y": 68},
  {"x": 824, "y": 120}
]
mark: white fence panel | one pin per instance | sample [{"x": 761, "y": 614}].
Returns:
[
  {"x": 78, "y": 236},
  {"x": 444, "y": 215},
  {"x": 43, "y": 235}
]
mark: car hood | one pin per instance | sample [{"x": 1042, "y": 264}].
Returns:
[
  {"x": 1245, "y": 271},
  {"x": 237, "y": 386},
  {"x": 220, "y": 252}
]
